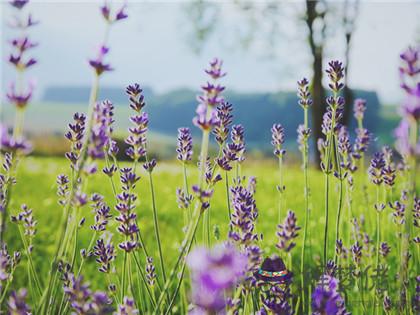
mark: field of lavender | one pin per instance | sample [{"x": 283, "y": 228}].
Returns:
[{"x": 209, "y": 233}]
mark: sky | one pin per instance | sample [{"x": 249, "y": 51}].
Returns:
[{"x": 153, "y": 46}]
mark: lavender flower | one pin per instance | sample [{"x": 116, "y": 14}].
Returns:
[
  {"x": 112, "y": 18},
  {"x": 416, "y": 297},
  {"x": 18, "y": 4},
  {"x": 224, "y": 120},
  {"x": 150, "y": 272},
  {"x": 402, "y": 135},
  {"x": 82, "y": 300},
  {"x": 203, "y": 195},
  {"x": 105, "y": 255},
  {"x": 244, "y": 215},
  {"x": 277, "y": 135},
  {"x": 127, "y": 307},
  {"x": 211, "y": 98},
  {"x": 356, "y": 251},
  {"x": 276, "y": 300},
  {"x": 137, "y": 136},
  {"x": 62, "y": 188},
  {"x": 19, "y": 99},
  {"x": 185, "y": 145},
  {"x": 416, "y": 212},
  {"x": 303, "y": 93},
  {"x": 375, "y": 170},
  {"x": 125, "y": 206},
  {"x": 150, "y": 165},
  {"x": 237, "y": 136},
  {"x": 102, "y": 213},
  {"x": 326, "y": 299},
  {"x": 385, "y": 249},
  {"x": 26, "y": 218},
  {"x": 359, "y": 108},
  {"x": 288, "y": 231},
  {"x": 100, "y": 135},
  {"x": 10, "y": 144},
  {"x": 98, "y": 64},
  {"x": 136, "y": 97},
  {"x": 387, "y": 304},
  {"x": 75, "y": 136},
  {"x": 399, "y": 212},
  {"x": 16, "y": 304},
  {"x": 183, "y": 199},
  {"x": 361, "y": 143},
  {"x": 213, "y": 273},
  {"x": 303, "y": 136}
]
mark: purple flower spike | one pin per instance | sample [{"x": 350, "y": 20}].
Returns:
[
  {"x": 17, "y": 303},
  {"x": 376, "y": 169},
  {"x": 215, "y": 70},
  {"x": 82, "y": 300},
  {"x": 335, "y": 73},
  {"x": 326, "y": 300},
  {"x": 185, "y": 145},
  {"x": 211, "y": 98},
  {"x": 303, "y": 93},
  {"x": 244, "y": 215},
  {"x": 288, "y": 231},
  {"x": 128, "y": 307},
  {"x": 277, "y": 135},
  {"x": 213, "y": 273},
  {"x": 20, "y": 100},
  {"x": 119, "y": 15},
  {"x": 18, "y": 4},
  {"x": 359, "y": 108},
  {"x": 105, "y": 255},
  {"x": 150, "y": 272},
  {"x": 101, "y": 129},
  {"x": 224, "y": 117},
  {"x": 98, "y": 64},
  {"x": 137, "y": 136}
]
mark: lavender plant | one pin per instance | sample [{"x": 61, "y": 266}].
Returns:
[{"x": 233, "y": 276}]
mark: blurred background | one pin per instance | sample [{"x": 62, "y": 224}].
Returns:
[{"x": 266, "y": 47}]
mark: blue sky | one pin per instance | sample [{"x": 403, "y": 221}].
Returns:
[{"x": 152, "y": 46}]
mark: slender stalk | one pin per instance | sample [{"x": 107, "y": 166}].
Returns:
[
  {"x": 305, "y": 229},
  {"x": 228, "y": 197},
  {"x": 280, "y": 205},
  {"x": 156, "y": 226}
]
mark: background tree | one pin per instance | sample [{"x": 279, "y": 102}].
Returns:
[{"x": 259, "y": 23}]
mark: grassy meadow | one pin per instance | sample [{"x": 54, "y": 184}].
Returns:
[{"x": 36, "y": 187}]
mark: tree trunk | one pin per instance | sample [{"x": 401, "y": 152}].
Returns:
[{"x": 318, "y": 98}]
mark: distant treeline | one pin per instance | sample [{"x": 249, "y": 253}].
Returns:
[{"x": 256, "y": 111}]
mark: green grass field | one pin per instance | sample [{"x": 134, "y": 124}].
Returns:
[{"x": 36, "y": 187}]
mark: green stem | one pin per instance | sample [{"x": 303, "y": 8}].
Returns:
[{"x": 156, "y": 226}]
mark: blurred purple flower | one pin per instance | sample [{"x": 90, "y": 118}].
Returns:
[
  {"x": 19, "y": 99},
  {"x": 16, "y": 305},
  {"x": 359, "y": 108},
  {"x": 127, "y": 307},
  {"x": 18, "y": 4},
  {"x": 82, "y": 300},
  {"x": 98, "y": 63},
  {"x": 326, "y": 300},
  {"x": 120, "y": 14},
  {"x": 213, "y": 273}
]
